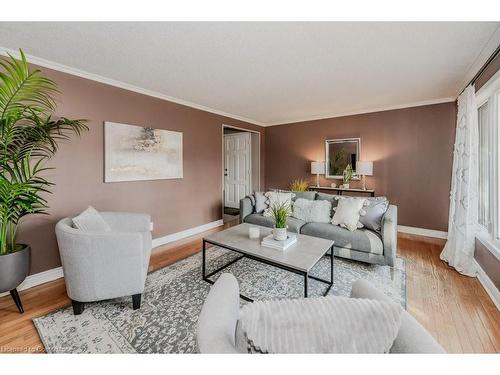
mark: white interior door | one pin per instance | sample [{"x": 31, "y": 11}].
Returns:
[{"x": 237, "y": 168}]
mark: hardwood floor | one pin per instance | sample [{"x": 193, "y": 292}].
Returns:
[{"x": 454, "y": 308}]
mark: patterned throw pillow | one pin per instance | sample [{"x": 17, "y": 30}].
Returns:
[
  {"x": 278, "y": 197},
  {"x": 260, "y": 202},
  {"x": 312, "y": 211}
]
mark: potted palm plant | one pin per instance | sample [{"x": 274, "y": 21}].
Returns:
[
  {"x": 29, "y": 136},
  {"x": 280, "y": 212}
]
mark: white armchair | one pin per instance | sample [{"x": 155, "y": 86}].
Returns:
[{"x": 105, "y": 265}]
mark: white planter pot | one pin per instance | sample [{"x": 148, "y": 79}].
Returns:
[
  {"x": 346, "y": 186},
  {"x": 279, "y": 234}
]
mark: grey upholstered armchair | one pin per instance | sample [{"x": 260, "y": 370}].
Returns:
[{"x": 105, "y": 265}]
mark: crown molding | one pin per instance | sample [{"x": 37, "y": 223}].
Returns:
[
  {"x": 4, "y": 51},
  {"x": 369, "y": 110}
]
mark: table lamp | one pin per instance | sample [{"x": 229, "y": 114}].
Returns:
[
  {"x": 364, "y": 168},
  {"x": 317, "y": 168}
]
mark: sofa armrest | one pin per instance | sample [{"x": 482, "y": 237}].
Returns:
[
  {"x": 127, "y": 221},
  {"x": 390, "y": 234},
  {"x": 219, "y": 317},
  {"x": 246, "y": 208},
  {"x": 412, "y": 336}
]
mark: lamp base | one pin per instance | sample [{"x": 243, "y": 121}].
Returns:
[{"x": 363, "y": 182}]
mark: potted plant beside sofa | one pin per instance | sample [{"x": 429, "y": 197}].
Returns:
[{"x": 29, "y": 136}]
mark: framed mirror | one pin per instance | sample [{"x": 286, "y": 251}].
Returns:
[{"x": 339, "y": 153}]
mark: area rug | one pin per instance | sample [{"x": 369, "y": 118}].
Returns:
[{"x": 174, "y": 295}]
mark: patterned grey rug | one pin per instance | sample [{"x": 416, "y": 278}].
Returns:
[{"x": 174, "y": 295}]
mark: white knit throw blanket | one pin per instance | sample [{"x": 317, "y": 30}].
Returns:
[{"x": 321, "y": 325}]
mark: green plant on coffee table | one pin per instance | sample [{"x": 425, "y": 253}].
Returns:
[
  {"x": 299, "y": 185},
  {"x": 29, "y": 136},
  {"x": 347, "y": 175},
  {"x": 280, "y": 212}
]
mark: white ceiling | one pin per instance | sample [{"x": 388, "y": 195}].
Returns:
[{"x": 269, "y": 73}]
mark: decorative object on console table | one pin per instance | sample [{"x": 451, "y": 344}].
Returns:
[
  {"x": 30, "y": 136},
  {"x": 317, "y": 168},
  {"x": 340, "y": 190},
  {"x": 364, "y": 168},
  {"x": 347, "y": 176},
  {"x": 299, "y": 185}
]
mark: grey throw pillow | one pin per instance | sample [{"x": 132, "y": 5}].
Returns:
[
  {"x": 90, "y": 220},
  {"x": 375, "y": 211},
  {"x": 260, "y": 202}
]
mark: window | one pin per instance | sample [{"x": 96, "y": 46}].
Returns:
[{"x": 488, "y": 100}]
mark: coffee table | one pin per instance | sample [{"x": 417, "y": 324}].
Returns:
[{"x": 300, "y": 258}]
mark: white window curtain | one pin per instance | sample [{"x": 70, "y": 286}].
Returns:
[{"x": 463, "y": 217}]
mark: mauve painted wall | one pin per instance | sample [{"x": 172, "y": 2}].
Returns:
[
  {"x": 412, "y": 150},
  {"x": 174, "y": 205}
]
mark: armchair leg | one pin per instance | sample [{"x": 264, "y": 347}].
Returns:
[
  {"x": 78, "y": 307},
  {"x": 136, "y": 301}
]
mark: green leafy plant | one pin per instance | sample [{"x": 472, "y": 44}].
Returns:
[
  {"x": 299, "y": 185},
  {"x": 280, "y": 212},
  {"x": 347, "y": 174},
  {"x": 29, "y": 136}
]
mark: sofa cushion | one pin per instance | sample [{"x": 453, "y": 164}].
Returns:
[
  {"x": 309, "y": 195},
  {"x": 277, "y": 198},
  {"x": 294, "y": 224},
  {"x": 374, "y": 212},
  {"x": 312, "y": 211},
  {"x": 361, "y": 239},
  {"x": 348, "y": 211}
]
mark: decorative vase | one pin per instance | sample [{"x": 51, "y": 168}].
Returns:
[
  {"x": 279, "y": 234},
  {"x": 14, "y": 268},
  {"x": 346, "y": 186}
]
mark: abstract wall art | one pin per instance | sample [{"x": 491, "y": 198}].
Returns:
[{"x": 135, "y": 153}]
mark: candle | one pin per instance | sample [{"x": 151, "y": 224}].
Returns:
[{"x": 253, "y": 232}]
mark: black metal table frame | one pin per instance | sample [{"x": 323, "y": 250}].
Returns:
[{"x": 305, "y": 274}]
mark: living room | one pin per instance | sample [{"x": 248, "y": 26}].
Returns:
[{"x": 244, "y": 187}]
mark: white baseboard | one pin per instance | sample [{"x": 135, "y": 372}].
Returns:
[
  {"x": 39, "y": 278},
  {"x": 57, "y": 273},
  {"x": 423, "y": 232},
  {"x": 186, "y": 233},
  {"x": 488, "y": 285}
]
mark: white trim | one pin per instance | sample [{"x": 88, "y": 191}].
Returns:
[
  {"x": 39, "y": 278},
  {"x": 423, "y": 232},
  {"x": 57, "y": 273},
  {"x": 186, "y": 233},
  {"x": 368, "y": 110},
  {"x": 126, "y": 86},
  {"x": 488, "y": 285}
]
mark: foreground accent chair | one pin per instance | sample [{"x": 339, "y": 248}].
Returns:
[
  {"x": 218, "y": 322},
  {"x": 105, "y": 265}
]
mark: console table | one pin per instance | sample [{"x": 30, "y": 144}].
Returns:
[{"x": 342, "y": 190}]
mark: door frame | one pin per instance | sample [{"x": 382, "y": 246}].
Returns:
[{"x": 252, "y": 164}]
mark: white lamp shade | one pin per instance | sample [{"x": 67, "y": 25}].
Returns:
[
  {"x": 364, "y": 168},
  {"x": 317, "y": 167}
]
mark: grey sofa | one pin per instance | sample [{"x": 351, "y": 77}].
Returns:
[
  {"x": 218, "y": 322},
  {"x": 362, "y": 244},
  {"x": 105, "y": 265}
]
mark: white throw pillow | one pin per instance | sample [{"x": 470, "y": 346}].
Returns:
[
  {"x": 347, "y": 212},
  {"x": 276, "y": 198},
  {"x": 317, "y": 211},
  {"x": 90, "y": 220}
]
